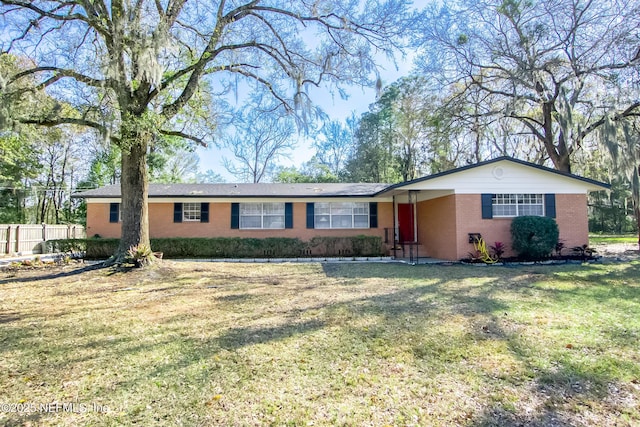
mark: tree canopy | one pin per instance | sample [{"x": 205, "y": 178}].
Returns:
[
  {"x": 137, "y": 70},
  {"x": 557, "y": 67}
]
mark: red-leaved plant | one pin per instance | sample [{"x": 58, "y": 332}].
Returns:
[{"x": 498, "y": 249}]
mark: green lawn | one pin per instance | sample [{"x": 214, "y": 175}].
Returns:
[
  {"x": 322, "y": 344},
  {"x": 595, "y": 239}
]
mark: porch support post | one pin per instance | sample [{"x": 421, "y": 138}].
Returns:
[
  {"x": 394, "y": 238},
  {"x": 413, "y": 200}
]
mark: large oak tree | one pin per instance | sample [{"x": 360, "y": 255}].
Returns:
[
  {"x": 136, "y": 69},
  {"x": 558, "y": 67}
]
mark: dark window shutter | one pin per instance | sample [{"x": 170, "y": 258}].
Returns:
[
  {"x": 373, "y": 215},
  {"x": 288, "y": 215},
  {"x": 487, "y": 206},
  {"x": 235, "y": 215},
  {"x": 204, "y": 212},
  {"x": 114, "y": 212},
  {"x": 311, "y": 215},
  {"x": 550, "y": 205},
  {"x": 177, "y": 212}
]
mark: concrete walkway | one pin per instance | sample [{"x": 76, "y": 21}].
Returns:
[{"x": 5, "y": 261}]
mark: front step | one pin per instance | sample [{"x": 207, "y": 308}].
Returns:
[{"x": 410, "y": 250}]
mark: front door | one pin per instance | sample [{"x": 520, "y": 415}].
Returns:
[{"x": 406, "y": 223}]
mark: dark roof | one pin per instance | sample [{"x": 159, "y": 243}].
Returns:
[
  {"x": 497, "y": 159},
  {"x": 301, "y": 190},
  {"x": 245, "y": 190}
]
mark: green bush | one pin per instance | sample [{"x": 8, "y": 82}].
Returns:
[
  {"x": 232, "y": 247},
  {"x": 534, "y": 237},
  {"x": 93, "y": 248},
  {"x": 227, "y": 247},
  {"x": 66, "y": 245},
  {"x": 101, "y": 248},
  {"x": 345, "y": 246}
]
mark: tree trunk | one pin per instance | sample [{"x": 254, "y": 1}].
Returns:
[
  {"x": 559, "y": 154},
  {"x": 134, "y": 187},
  {"x": 637, "y": 213}
]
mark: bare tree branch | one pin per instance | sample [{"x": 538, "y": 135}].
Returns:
[{"x": 184, "y": 135}]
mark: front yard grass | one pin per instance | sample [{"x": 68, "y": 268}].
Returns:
[
  {"x": 598, "y": 239},
  {"x": 321, "y": 344}
]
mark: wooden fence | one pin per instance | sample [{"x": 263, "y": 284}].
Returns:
[{"x": 30, "y": 238}]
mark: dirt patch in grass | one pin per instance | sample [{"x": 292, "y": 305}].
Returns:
[{"x": 321, "y": 344}]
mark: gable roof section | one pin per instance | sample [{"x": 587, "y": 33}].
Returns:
[
  {"x": 590, "y": 183},
  {"x": 245, "y": 190},
  {"x": 318, "y": 190}
]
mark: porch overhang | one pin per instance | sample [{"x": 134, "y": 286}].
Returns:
[{"x": 422, "y": 194}]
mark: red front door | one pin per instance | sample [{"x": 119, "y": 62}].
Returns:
[{"x": 406, "y": 224}]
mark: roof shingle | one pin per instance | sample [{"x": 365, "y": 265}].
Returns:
[{"x": 245, "y": 190}]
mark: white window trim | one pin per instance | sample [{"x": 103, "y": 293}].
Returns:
[
  {"x": 354, "y": 205},
  {"x": 196, "y": 209},
  {"x": 262, "y": 216},
  {"x": 517, "y": 205}
]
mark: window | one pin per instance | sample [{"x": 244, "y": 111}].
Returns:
[
  {"x": 115, "y": 213},
  {"x": 510, "y": 205},
  {"x": 341, "y": 215},
  {"x": 191, "y": 212},
  {"x": 262, "y": 215}
]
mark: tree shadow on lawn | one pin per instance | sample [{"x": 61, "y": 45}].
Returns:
[
  {"x": 600, "y": 282},
  {"x": 9, "y": 317},
  {"x": 570, "y": 380},
  {"x": 52, "y": 275},
  {"x": 197, "y": 351},
  {"x": 430, "y": 303},
  {"x": 34, "y": 418},
  {"x": 564, "y": 396},
  {"x": 236, "y": 338}
]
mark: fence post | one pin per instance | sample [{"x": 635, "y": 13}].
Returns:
[
  {"x": 8, "y": 244},
  {"x": 17, "y": 239}
]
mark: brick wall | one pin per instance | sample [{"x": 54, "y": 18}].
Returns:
[
  {"x": 571, "y": 216},
  {"x": 573, "y": 219},
  {"x": 443, "y": 224},
  {"x": 161, "y": 223},
  {"x": 437, "y": 227},
  {"x": 98, "y": 221}
]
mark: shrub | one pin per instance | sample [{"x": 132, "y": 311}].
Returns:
[
  {"x": 101, "y": 248},
  {"x": 534, "y": 236},
  {"x": 140, "y": 255},
  {"x": 345, "y": 246},
  {"x": 232, "y": 247},
  {"x": 227, "y": 247},
  {"x": 66, "y": 245}
]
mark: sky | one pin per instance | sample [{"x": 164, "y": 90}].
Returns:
[
  {"x": 359, "y": 99},
  {"x": 333, "y": 105}
]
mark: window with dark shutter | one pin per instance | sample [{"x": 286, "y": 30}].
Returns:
[
  {"x": 373, "y": 215},
  {"x": 204, "y": 212},
  {"x": 114, "y": 212},
  {"x": 177, "y": 212},
  {"x": 487, "y": 206},
  {"x": 235, "y": 215},
  {"x": 310, "y": 215},
  {"x": 550, "y": 205},
  {"x": 288, "y": 215}
]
